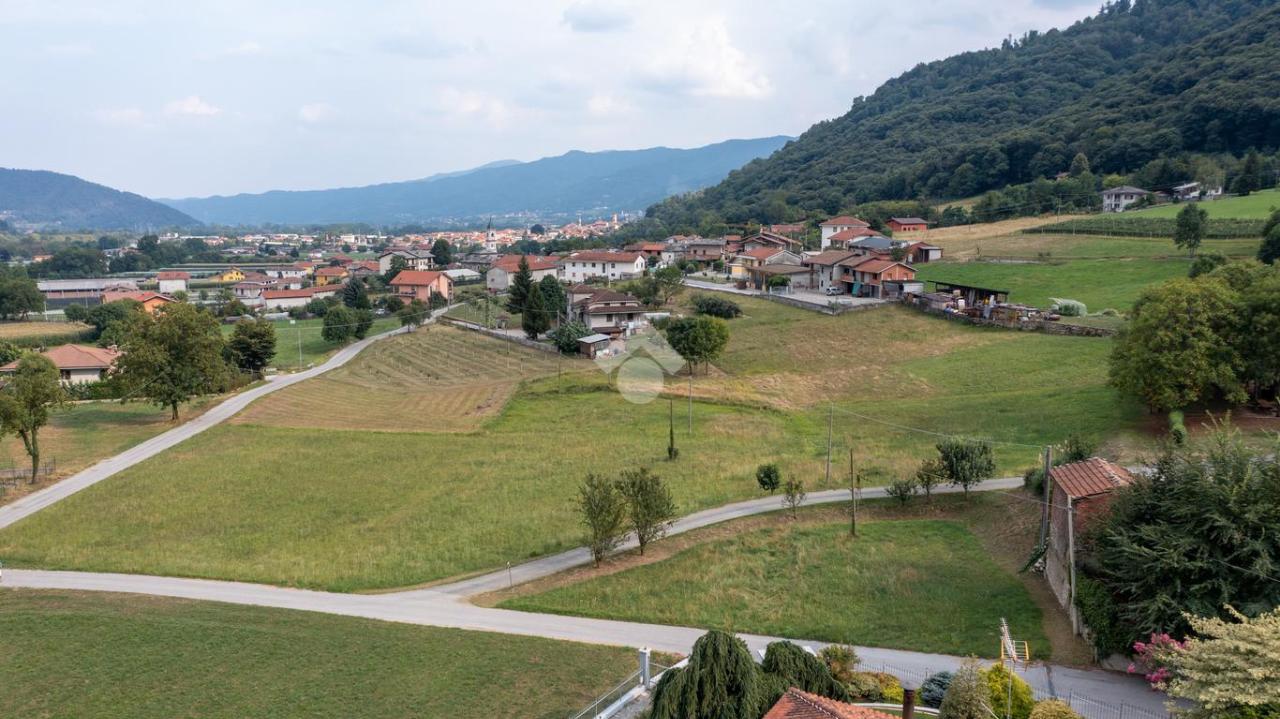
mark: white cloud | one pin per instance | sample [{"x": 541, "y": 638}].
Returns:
[
  {"x": 474, "y": 104},
  {"x": 121, "y": 116},
  {"x": 69, "y": 49},
  {"x": 247, "y": 48},
  {"x": 191, "y": 106},
  {"x": 596, "y": 16},
  {"x": 315, "y": 112},
  {"x": 605, "y": 105},
  {"x": 703, "y": 61}
]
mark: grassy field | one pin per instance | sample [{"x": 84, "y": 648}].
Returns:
[
  {"x": 350, "y": 510},
  {"x": 436, "y": 379},
  {"x": 90, "y": 656},
  {"x": 314, "y": 349},
  {"x": 1081, "y": 247},
  {"x": 36, "y": 328},
  {"x": 87, "y": 432},
  {"x": 1256, "y": 206},
  {"x": 1097, "y": 283},
  {"x": 923, "y": 585}
]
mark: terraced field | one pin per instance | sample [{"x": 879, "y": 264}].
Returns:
[{"x": 438, "y": 379}]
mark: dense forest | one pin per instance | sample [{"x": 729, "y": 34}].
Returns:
[
  {"x": 1189, "y": 81},
  {"x": 54, "y": 201}
]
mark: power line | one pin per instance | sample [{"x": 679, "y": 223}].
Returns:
[{"x": 931, "y": 432}]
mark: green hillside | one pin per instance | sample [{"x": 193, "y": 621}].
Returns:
[
  {"x": 1140, "y": 81},
  {"x": 1257, "y": 206},
  {"x": 53, "y": 201}
]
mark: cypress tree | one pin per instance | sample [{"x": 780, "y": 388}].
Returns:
[{"x": 521, "y": 286}]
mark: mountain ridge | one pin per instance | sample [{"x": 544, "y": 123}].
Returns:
[{"x": 44, "y": 199}]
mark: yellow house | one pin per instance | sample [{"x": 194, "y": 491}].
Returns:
[
  {"x": 330, "y": 275},
  {"x": 232, "y": 275}
]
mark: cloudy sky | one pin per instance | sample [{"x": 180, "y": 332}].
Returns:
[{"x": 174, "y": 99}]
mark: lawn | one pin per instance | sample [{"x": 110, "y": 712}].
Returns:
[
  {"x": 1045, "y": 247},
  {"x": 350, "y": 510},
  {"x": 90, "y": 655},
  {"x": 87, "y": 432},
  {"x": 37, "y": 328},
  {"x": 437, "y": 378},
  {"x": 922, "y": 585},
  {"x": 1099, "y": 284},
  {"x": 300, "y": 345},
  {"x": 1255, "y": 206}
]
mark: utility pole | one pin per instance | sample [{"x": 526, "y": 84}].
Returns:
[
  {"x": 691, "y": 404},
  {"x": 1044, "y": 513},
  {"x": 831, "y": 419}
]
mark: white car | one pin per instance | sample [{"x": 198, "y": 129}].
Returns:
[{"x": 833, "y": 290}]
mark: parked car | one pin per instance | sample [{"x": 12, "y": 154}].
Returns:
[{"x": 832, "y": 291}]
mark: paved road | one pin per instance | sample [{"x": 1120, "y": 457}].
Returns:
[
  {"x": 37, "y": 501},
  {"x": 546, "y": 566}
]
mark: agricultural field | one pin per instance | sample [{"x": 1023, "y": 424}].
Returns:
[
  {"x": 1255, "y": 206},
  {"x": 348, "y": 510},
  {"x": 887, "y": 587},
  {"x": 436, "y": 379},
  {"x": 299, "y": 344},
  {"x": 31, "y": 332},
  {"x": 1048, "y": 247},
  {"x": 96, "y": 655},
  {"x": 87, "y": 432},
  {"x": 1100, "y": 284},
  {"x": 1136, "y": 224}
]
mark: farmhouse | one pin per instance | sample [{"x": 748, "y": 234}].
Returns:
[
  {"x": 907, "y": 224},
  {"x": 1080, "y": 492},
  {"x": 1117, "y": 199},
  {"x": 604, "y": 311},
  {"x": 825, "y": 270},
  {"x": 170, "y": 282},
  {"x": 288, "y": 299},
  {"x": 418, "y": 285},
  {"x": 77, "y": 364},
  {"x": 588, "y": 264},
  {"x": 840, "y": 224},
  {"x": 501, "y": 274},
  {"x": 151, "y": 301},
  {"x": 414, "y": 259}
]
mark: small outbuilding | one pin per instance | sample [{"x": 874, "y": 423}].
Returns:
[{"x": 592, "y": 346}]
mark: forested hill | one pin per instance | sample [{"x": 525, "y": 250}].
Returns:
[
  {"x": 49, "y": 200},
  {"x": 1139, "y": 81}
]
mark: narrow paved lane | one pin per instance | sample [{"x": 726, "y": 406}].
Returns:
[{"x": 147, "y": 449}]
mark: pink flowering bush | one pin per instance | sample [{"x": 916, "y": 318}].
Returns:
[{"x": 1151, "y": 659}]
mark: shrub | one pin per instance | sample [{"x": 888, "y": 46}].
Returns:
[
  {"x": 1053, "y": 709},
  {"x": 966, "y": 696},
  {"x": 998, "y": 680},
  {"x": 864, "y": 687},
  {"x": 1177, "y": 427},
  {"x": 566, "y": 336},
  {"x": 1098, "y": 611},
  {"x": 768, "y": 477},
  {"x": 802, "y": 670},
  {"x": 75, "y": 313},
  {"x": 716, "y": 307},
  {"x": 1069, "y": 308},
  {"x": 1033, "y": 480},
  {"x": 902, "y": 489},
  {"x": 841, "y": 660},
  {"x": 890, "y": 687},
  {"x": 934, "y": 688}
]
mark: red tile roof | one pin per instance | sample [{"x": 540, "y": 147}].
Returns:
[
  {"x": 602, "y": 256},
  {"x": 762, "y": 253},
  {"x": 877, "y": 265},
  {"x": 331, "y": 272},
  {"x": 416, "y": 278},
  {"x": 75, "y": 357},
  {"x": 908, "y": 220},
  {"x": 136, "y": 295},
  {"x": 845, "y": 220},
  {"x": 830, "y": 257},
  {"x": 797, "y": 704},
  {"x": 304, "y": 292},
  {"x": 173, "y": 275},
  {"x": 852, "y": 233},
  {"x": 1090, "y": 478},
  {"x": 511, "y": 263}
]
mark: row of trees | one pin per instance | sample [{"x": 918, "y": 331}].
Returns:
[{"x": 638, "y": 502}]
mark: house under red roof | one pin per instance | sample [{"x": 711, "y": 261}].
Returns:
[
  {"x": 845, "y": 221},
  {"x": 172, "y": 275},
  {"x": 69, "y": 357},
  {"x": 797, "y": 704},
  {"x": 1090, "y": 478},
  {"x": 537, "y": 263}
]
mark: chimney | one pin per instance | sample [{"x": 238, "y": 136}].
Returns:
[{"x": 909, "y": 689}]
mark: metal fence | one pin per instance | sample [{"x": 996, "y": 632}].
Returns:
[
  {"x": 1094, "y": 709},
  {"x": 11, "y": 476},
  {"x": 599, "y": 709}
]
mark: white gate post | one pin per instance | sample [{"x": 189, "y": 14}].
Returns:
[{"x": 644, "y": 667}]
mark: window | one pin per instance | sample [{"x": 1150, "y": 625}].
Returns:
[{"x": 64, "y": 375}]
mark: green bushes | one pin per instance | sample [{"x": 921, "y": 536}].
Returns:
[
  {"x": 1069, "y": 308},
  {"x": 715, "y": 306},
  {"x": 1098, "y": 612},
  {"x": 1053, "y": 709},
  {"x": 934, "y": 688},
  {"x": 1177, "y": 427},
  {"x": 1008, "y": 691}
]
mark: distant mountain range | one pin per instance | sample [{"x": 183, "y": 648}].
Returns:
[
  {"x": 49, "y": 200},
  {"x": 590, "y": 183}
]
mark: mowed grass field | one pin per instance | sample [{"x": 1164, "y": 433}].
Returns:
[
  {"x": 1100, "y": 284},
  {"x": 87, "y": 432},
  {"x": 1049, "y": 247},
  {"x": 347, "y": 510},
  {"x": 300, "y": 345},
  {"x": 436, "y": 378},
  {"x": 37, "y": 328},
  {"x": 1255, "y": 206},
  {"x": 922, "y": 585},
  {"x": 94, "y": 655}
]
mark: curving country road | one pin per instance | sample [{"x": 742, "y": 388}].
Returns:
[{"x": 147, "y": 449}]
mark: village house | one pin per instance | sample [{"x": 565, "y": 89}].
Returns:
[
  {"x": 825, "y": 270},
  {"x": 479, "y": 261},
  {"x": 798, "y": 276},
  {"x": 846, "y": 237},
  {"x": 362, "y": 269},
  {"x": 605, "y": 311},
  {"x": 288, "y": 299},
  {"x": 169, "y": 282},
  {"x": 794, "y": 230},
  {"x": 330, "y": 275},
  {"x": 592, "y": 264},
  {"x": 501, "y": 274},
  {"x": 77, "y": 364},
  {"x": 287, "y": 272},
  {"x": 229, "y": 275},
  {"x": 866, "y": 275},
  {"x": 703, "y": 251},
  {"x": 151, "y": 301},
  {"x": 652, "y": 251},
  {"x": 1079, "y": 494},
  {"x": 1191, "y": 191},
  {"x": 419, "y": 284},
  {"x": 840, "y": 224},
  {"x": 921, "y": 252},
  {"x": 769, "y": 239},
  {"x": 899, "y": 225},
  {"x": 1118, "y": 199},
  {"x": 413, "y": 259},
  {"x": 752, "y": 258}
]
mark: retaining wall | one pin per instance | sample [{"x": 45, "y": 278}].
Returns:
[{"x": 1046, "y": 326}]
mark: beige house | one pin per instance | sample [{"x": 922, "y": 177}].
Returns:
[
  {"x": 499, "y": 277},
  {"x": 77, "y": 364}
]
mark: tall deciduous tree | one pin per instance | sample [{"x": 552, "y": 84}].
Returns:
[
  {"x": 1229, "y": 669},
  {"x": 1269, "y": 251},
  {"x": 339, "y": 325},
  {"x": 252, "y": 345},
  {"x": 172, "y": 357},
  {"x": 720, "y": 682},
  {"x": 413, "y": 314},
  {"x": 19, "y": 295},
  {"x": 699, "y": 340},
  {"x": 650, "y": 508},
  {"x": 442, "y": 251},
  {"x": 27, "y": 400},
  {"x": 1188, "y": 233},
  {"x": 521, "y": 286},
  {"x": 603, "y": 513},
  {"x": 1176, "y": 348}
]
